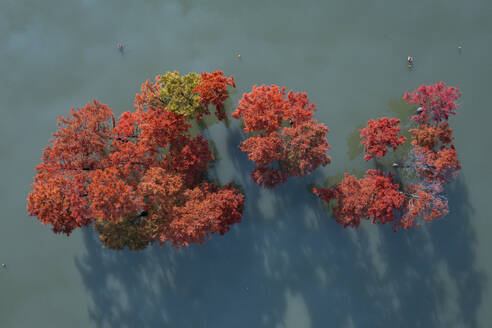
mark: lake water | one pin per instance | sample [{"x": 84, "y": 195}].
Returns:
[{"x": 288, "y": 264}]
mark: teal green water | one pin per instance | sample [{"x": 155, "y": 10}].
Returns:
[{"x": 300, "y": 268}]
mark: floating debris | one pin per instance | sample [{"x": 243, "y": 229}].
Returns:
[
  {"x": 410, "y": 60},
  {"x": 120, "y": 47}
]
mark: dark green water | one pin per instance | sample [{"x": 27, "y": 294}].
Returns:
[{"x": 300, "y": 268}]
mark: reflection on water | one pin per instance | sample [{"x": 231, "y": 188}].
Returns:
[
  {"x": 402, "y": 110},
  {"x": 353, "y": 143}
]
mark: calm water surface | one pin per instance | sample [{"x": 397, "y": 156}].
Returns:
[{"x": 300, "y": 268}]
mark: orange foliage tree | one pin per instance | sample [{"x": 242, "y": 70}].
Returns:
[
  {"x": 442, "y": 165},
  {"x": 139, "y": 179},
  {"x": 375, "y": 196},
  {"x": 429, "y": 136},
  {"x": 212, "y": 90},
  {"x": 286, "y": 141},
  {"x": 380, "y": 134},
  {"x": 423, "y": 201},
  {"x": 433, "y": 162}
]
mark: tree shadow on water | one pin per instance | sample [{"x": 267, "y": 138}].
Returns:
[
  {"x": 199, "y": 286},
  {"x": 247, "y": 278},
  {"x": 430, "y": 279},
  {"x": 376, "y": 278},
  {"x": 289, "y": 264},
  {"x": 354, "y": 147}
]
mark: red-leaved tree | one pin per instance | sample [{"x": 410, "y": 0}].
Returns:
[
  {"x": 375, "y": 197},
  {"x": 213, "y": 90},
  {"x": 264, "y": 108},
  {"x": 379, "y": 135},
  {"x": 423, "y": 202},
  {"x": 442, "y": 165},
  {"x": 433, "y": 156},
  {"x": 436, "y": 102},
  {"x": 304, "y": 148},
  {"x": 206, "y": 210},
  {"x": 287, "y": 141}
]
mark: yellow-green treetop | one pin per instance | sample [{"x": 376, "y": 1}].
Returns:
[{"x": 178, "y": 96}]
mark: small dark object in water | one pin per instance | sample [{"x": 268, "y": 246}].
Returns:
[
  {"x": 460, "y": 47},
  {"x": 4, "y": 265},
  {"x": 410, "y": 60},
  {"x": 120, "y": 47}
]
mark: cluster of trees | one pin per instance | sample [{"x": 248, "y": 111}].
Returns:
[
  {"x": 142, "y": 178},
  {"x": 432, "y": 162}
]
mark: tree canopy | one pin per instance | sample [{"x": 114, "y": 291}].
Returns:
[
  {"x": 379, "y": 135},
  {"x": 284, "y": 139},
  {"x": 139, "y": 178}
]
